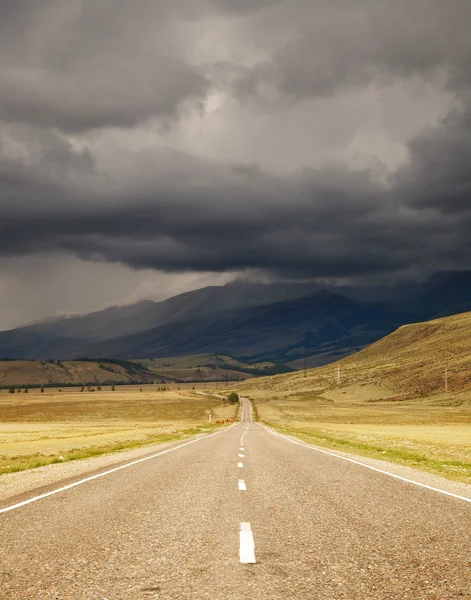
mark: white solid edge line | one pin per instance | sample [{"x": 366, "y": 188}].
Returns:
[
  {"x": 242, "y": 485},
  {"x": 240, "y": 465},
  {"x": 246, "y": 544},
  {"x": 357, "y": 462},
  {"x": 98, "y": 475}
]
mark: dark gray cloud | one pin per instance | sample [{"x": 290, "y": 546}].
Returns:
[
  {"x": 79, "y": 65},
  {"x": 344, "y": 45},
  {"x": 300, "y": 138},
  {"x": 327, "y": 223}
]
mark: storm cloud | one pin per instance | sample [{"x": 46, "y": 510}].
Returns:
[{"x": 289, "y": 138}]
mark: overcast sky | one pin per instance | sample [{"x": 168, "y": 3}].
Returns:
[{"x": 153, "y": 146}]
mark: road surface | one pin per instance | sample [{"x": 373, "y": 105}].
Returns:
[{"x": 240, "y": 514}]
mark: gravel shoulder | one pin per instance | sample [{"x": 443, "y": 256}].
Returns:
[{"x": 454, "y": 487}]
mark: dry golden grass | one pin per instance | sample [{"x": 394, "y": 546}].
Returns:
[{"x": 40, "y": 428}]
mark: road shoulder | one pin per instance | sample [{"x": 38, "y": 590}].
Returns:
[{"x": 13, "y": 485}]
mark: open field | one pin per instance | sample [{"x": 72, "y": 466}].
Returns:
[
  {"x": 42, "y": 428},
  {"x": 390, "y": 403}
]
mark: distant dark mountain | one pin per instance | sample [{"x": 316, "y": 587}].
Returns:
[
  {"x": 278, "y": 331},
  {"x": 56, "y": 337},
  {"x": 252, "y": 321},
  {"x": 400, "y": 292},
  {"x": 449, "y": 298}
]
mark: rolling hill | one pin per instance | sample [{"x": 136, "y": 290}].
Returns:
[
  {"x": 24, "y": 373},
  {"x": 410, "y": 362},
  {"x": 184, "y": 369}
]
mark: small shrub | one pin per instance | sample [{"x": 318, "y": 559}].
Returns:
[
  {"x": 233, "y": 397},
  {"x": 11, "y": 390}
]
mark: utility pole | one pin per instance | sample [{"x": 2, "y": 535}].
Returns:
[
  {"x": 338, "y": 375},
  {"x": 446, "y": 380},
  {"x": 305, "y": 365}
]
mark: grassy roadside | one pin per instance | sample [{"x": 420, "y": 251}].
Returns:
[
  {"x": 255, "y": 413},
  {"x": 23, "y": 463},
  {"x": 457, "y": 470}
]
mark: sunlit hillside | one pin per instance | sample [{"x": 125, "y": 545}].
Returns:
[{"x": 415, "y": 360}]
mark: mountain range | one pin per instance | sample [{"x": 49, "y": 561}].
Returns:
[{"x": 280, "y": 322}]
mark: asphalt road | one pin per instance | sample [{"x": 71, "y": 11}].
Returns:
[{"x": 178, "y": 525}]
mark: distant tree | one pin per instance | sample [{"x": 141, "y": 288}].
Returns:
[
  {"x": 98, "y": 387},
  {"x": 82, "y": 389},
  {"x": 140, "y": 389},
  {"x": 113, "y": 388},
  {"x": 233, "y": 397},
  {"x": 11, "y": 390},
  {"x": 26, "y": 391},
  {"x": 60, "y": 390},
  {"x": 42, "y": 389}
]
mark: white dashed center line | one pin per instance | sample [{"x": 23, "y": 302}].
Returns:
[
  {"x": 247, "y": 545},
  {"x": 242, "y": 486},
  {"x": 240, "y": 455},
  {"x": 240, "y": 465}
]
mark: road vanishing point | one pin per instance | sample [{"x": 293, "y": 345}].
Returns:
[{"x": 243, "y": 513}]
